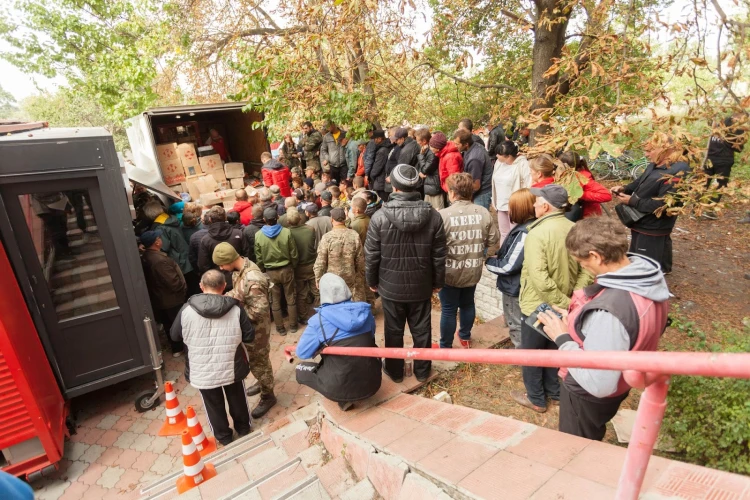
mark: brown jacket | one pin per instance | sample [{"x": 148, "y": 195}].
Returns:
[{"x": 166, "y": 285}]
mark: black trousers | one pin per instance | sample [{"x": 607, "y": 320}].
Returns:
[
  {"x": 541, "y": 383},
  {"x": 722, "y": 171},
  {"x": 658, "y": 248},
  {"x": 166, "y": 317},
  {"x": 396, "y": 314},
  {"x": 587, "y": 418},
  {"x": 56, "y": 224},
  {"x": 213, "y": 400},
  {"x": 383, "y": 195}
]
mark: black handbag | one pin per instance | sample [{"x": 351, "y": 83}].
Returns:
[{"x": 628, "y": 215}]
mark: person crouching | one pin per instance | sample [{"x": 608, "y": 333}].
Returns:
[
  {"x": 342, "y": 323},
  {"x": 213, "y": 328}
]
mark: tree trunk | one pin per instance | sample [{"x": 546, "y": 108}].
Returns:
[
  {"x": 363, "y": 69},
  {"x": 549, "y": 40}
]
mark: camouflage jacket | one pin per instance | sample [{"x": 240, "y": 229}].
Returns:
[
  {"x": 311, "y": 145},
  {"x": 250, "y": 287},
  {"x": 340, "y": 252}
]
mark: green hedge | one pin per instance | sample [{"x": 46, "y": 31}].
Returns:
[{"x": 708, "y": 418}]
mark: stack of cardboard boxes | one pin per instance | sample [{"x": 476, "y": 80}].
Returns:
[{"x": 205, "y": 178}]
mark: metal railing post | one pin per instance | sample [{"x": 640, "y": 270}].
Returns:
[{"x": 648, "y": 421}]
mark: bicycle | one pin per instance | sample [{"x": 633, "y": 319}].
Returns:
[{"x": 608, "y": 167}]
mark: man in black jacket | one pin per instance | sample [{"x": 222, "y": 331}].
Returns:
[
  {"x": 409, "y": 148},
  {"x": 255, "y": 225},
  {"x": 405, "y": 263},
  {"x": 725, "y": 141},
  {"x": 376, "y": 175},
  {"x": 427, "y": 164},
  {"x": 468, "y": 125},
  {"x": 497, "y": 136},
  {"x": 219, "y": 230}
]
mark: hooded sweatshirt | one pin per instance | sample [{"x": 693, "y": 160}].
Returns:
[
  {"x": 405, "y": 249},
  {"x": 275, "y": 248},
  {"x": 173, "y": 241},
  {"x": 213, "y": 328},
  {"x": 617, "y": 329},
  {"x": 219, "y": 232}
]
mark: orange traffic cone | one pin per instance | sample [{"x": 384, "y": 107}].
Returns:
[
  {"x": 205, "y": 445},
  {"x": 175, "y": 422},
  {"x": 196, "y": 472}
]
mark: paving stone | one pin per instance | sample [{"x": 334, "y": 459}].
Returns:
[
  {"x": 336, "y": 476},
  {"x": 285, "y": 399},
  {"x": 453, "y": 417},
  {"x": 363, "y": 490},
  {"x": 222, "y": 484},
  {"x": 312, "y": 458},
  {"x": 456, "y": 459},
  {"x": 256, "y": 466},
  {"x": 609, "y": 460},
  {"x": 92, "y": 436},
  {"x": 386, "y": 474},
  {"x": 94, "y": 492},
  {"x": 110, "y": 477},
  {"x": 366, "y": 420},
  {"x": 125, "y": 440},
  {"x": 92, "y": 474},
  {"x": 92, "y": 453},
  {"x": 73, "y": 451},
  {"x": 424, "y": 408},
  {"x": 74, "y": 471},
  {"x": 308, "y": 412},
  {"x": 75, "y": 491},
  {"x": 154, "y": 427},
  {"x": 390, "y": 430},
  {"x": 549, "y": 447},
  {"x": 108, "y": 438},
  {"x": 139, "y": 427},
  {"x": 129, "y": 480},
  {"x": 294, "y": 444},
  {"x": 400, "y": 403},
  {"x": 520, "y": 477},
  {"x": 123, "y": 424},
  {"x": 142, "y": 442},
  {"x": 52, "y": 491},
  {"x": 281, "y": 482},
  {"x": 160, "y": 443},
  {"x": 163, "y": 464},
  {"x": 419, "y": 442},
  {"x": 499, "y": 431},
  {"x": 148, "y": 478},
  {"x": 289, "y": 430},
  {"x": 692, "y": 482},
  {"x": 189, "y": 391},
  {"x": 418, "y": 488},
  {"x": 110, "y": 456},
  {"x": 566, "y": 486},
  {"x": 145, "y": 460},
  {"x": 107, "y": 422}
]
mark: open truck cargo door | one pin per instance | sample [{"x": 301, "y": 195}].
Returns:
[{"x": 192, "y": 124}]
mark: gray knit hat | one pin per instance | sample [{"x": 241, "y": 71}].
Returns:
[{"x": 405, "y": 177}]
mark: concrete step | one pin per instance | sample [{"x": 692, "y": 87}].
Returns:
[
  {"x": 413, "y": 447},
  {"x": 83, "y": 288}
]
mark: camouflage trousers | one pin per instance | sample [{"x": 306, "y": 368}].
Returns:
[
  {"x": 259, "y": 357},
  {"x": 307, "y": 293}
]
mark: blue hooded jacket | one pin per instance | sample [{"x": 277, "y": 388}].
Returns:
[{"x": 351, "y": 319}]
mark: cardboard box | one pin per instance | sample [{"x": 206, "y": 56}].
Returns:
[
  {"x": 167, "y": 152},
  {"x": 224, "y": 185},
  {"x": 210, "y": 183},
  {"x": 193, "y": 189},
  {"x": 214, "y": 166},
  {"x": 169, "y": 163},
  {"x": 237, "y": 183},
  {"x": 189, "y": 159},
  {"x": 234, "y": 170},
  {"x": 208, "y": 199},
  {"x": 228, "y": 205},
  {"x": 251, "y": 191}
]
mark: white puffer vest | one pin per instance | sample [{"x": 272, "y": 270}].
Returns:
[{"x": 212, "y": 344}]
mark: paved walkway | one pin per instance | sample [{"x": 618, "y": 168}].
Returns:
[{"x": 116, "y": 450}]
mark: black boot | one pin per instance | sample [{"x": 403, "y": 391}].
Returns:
[
  {"x": 253, "y": 389},
  {"x": 266, "y": 402}
]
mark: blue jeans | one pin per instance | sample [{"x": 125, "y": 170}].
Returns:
[
  {"x": 484, "y": 199},
  {"x": 453, "y": 299}
]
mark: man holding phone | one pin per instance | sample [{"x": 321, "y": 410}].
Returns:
[
  {"x": 549, "y": 275},
  {"x": 625, "y": 310}
]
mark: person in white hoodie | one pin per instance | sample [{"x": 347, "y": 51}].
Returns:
[
  {"x": 511, "y": 174},
  {"x": 624, "y": 310}
]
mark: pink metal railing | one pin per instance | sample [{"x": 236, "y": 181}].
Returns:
[{"x": 649, "y": 371}]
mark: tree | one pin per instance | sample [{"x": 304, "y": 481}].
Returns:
[{"x": 8, "y": 108}]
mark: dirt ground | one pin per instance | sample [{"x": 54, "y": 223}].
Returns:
[{"x": 710, "y": 284}]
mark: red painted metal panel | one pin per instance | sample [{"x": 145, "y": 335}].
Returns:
[{"x": 31, "y": 402}]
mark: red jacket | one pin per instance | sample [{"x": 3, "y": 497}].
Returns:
[
  {"x": 451, "y": 162},
  {"x": 246, "y": 211},
  {"x": 543, "y": 182},
  {"x": 593, "y": 194},
  {"x": 276, "y": 174}
]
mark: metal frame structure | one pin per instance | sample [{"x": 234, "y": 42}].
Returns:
[{"x": 649, "y": 371}]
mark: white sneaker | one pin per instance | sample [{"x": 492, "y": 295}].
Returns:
[{"x": 176, "y": 354}]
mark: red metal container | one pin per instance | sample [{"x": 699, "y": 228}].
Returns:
[{"x": 32, "y": 409}]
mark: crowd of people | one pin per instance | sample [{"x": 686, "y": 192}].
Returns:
[{"x": 341, "y": 223}]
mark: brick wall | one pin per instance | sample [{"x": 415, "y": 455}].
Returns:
[{"x": 488, "y": 299}]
